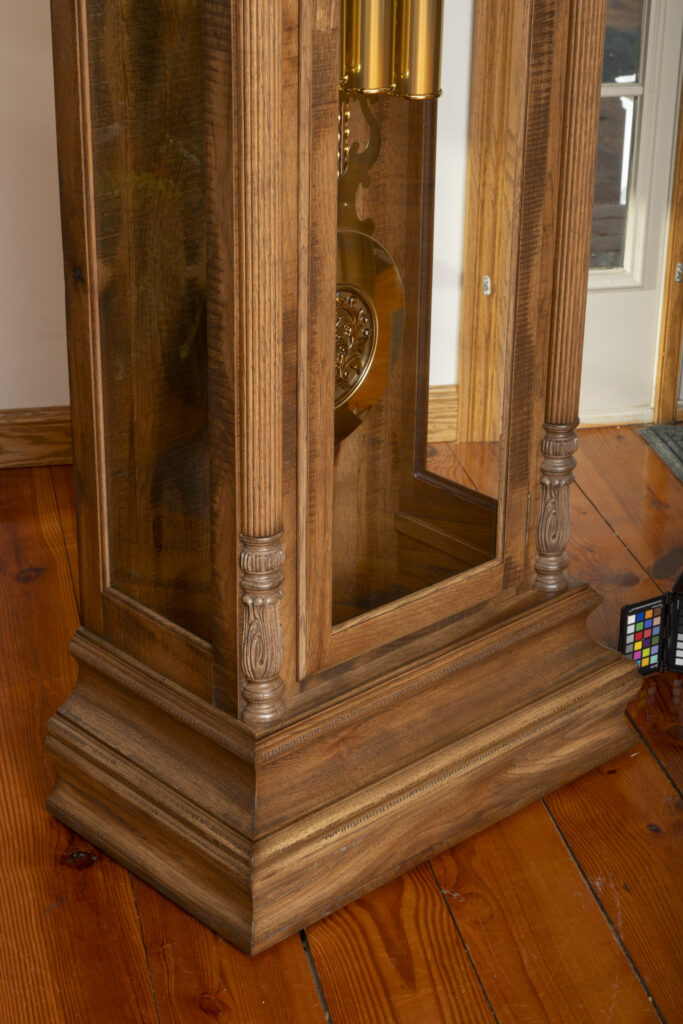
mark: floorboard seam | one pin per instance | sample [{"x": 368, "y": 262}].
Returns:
[
  {"x": 658, "y": 761},
  {"x": 316, "y": 977},
  {"x": 618, "y": 536},
  {"x": 442, "y": 894},
  {"x": 144, "y": 946},
  {"x": 608, "y": 919},
  {"x": 66, "y": 547}
]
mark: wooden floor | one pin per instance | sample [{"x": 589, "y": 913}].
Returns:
[{"x": 570, "y": 910}]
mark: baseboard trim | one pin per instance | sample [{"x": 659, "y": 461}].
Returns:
[
  {"x": 617, "y": 417},
  {"x": 36, "y": 437}
]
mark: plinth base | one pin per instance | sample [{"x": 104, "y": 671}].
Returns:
[{"x": 260, "y": 835}]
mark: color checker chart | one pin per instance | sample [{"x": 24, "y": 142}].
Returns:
[
  {"x": 641, "y": 631},
  {"x": 651, "y": 633}
]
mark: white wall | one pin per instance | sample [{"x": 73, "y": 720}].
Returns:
[
  {"x": 449, "y": 191},
  {"x": 33, "y": 367}
]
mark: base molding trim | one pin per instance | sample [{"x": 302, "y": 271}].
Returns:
[
  {"x": 36, "y": 437},
  {"x": 255, "y": 868}
]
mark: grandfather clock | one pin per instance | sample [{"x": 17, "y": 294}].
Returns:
[{"x": 314, "y": 647}]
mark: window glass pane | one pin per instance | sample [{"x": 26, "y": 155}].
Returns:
[
  {"x": 612, "y": 180},
  {"x": 623, "y": 38}
]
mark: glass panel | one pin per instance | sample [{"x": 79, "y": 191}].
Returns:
[
  {"x": 407, "y": 507},
  {"x": 612, "y": 180},
  {"x": 146, "y": 94},
  {"x": 463, "y": 446},
  {"x": 623, "y": 41}
]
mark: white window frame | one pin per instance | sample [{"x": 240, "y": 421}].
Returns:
[{"x": 646, "y": 93}]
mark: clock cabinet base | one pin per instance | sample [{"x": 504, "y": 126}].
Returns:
[{"x": 260, "y": 835}]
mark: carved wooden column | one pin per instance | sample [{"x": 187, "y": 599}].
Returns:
[
  {"x": 256, "y": 28},
  {"x": 572, "y": 256}
]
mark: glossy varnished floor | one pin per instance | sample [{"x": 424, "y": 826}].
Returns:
[{"x": 570, "y": 910}]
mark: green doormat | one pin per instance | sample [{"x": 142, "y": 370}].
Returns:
[{"x": 667, "y": 441}]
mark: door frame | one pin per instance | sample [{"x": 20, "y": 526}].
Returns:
[{"x": 666, "y": 408}]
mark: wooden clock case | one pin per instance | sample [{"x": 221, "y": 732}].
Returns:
[{"x": 225, "y": 741}]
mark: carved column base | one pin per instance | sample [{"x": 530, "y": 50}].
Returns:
[
  {"x": 554, "y": 521},
  {"x": 261, "y": 562}
]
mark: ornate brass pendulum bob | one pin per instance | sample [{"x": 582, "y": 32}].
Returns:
[{"x": 387, "y": 47}]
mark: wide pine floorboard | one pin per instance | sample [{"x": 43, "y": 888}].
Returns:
[{"x": 569, "y": 910}]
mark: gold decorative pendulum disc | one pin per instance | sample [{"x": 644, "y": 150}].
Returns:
[{"x": 368, "y": 327}]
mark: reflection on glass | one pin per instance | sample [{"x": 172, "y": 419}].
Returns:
[
  {"x": 461, "y": 449},
  {"x": 612, "y": 180},
  {"x": 622, "y": 89},
  {"x": 623, "y": 36},
  {"x": 408, "y": 510},
  {"x": 147, "y": 112}
]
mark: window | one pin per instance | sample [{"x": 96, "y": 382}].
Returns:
[{"x": 623, "y": 166}]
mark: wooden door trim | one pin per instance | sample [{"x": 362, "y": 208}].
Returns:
[
  {"x": 541, "y": 48},
  {"x": 671, "y": 324}
]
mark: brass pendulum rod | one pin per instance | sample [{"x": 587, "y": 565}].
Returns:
[
  {"x": 417, "y": 62},
  {"x": 369, "y": 45},
  {"x": 392, "y": 46}
]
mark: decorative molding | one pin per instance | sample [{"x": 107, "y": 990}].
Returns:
[
  {"x": 257, "y": 886},
  {"x": 257, "y": 32},
  {"x": 257, "y": 117},
  {"x": 36, "y": 437},
  {"x": 575, "y": 209},
  {"x": 261, "y": 562},
  {"x": 572, "y": 258},
  {"x": 554, "y": 521}
]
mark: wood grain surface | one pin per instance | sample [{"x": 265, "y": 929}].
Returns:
[
  {"x": 62, "y": 478},
  {"x": 586, "y": 35},
  {"x": 36, "y": 437},
  {"x": 442, "y": 416},
  {"x": 198, "y": 976},
  {"x": 637, "y": 495},
  {"x": 493, "y": 195},
  {"x": 395, "y": 956},
  {"x": 598, "y": 556},
  {"x": 70, "y": 944},
  {"x": 516, "y": 879},
  {"x": 624, "y": 824},
  {"x": 657, "y": 713}
]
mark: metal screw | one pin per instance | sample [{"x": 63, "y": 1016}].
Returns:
[{"x": 486, "y": 284}]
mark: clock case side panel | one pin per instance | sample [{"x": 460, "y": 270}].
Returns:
[{"x": 105, "y": 610}]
